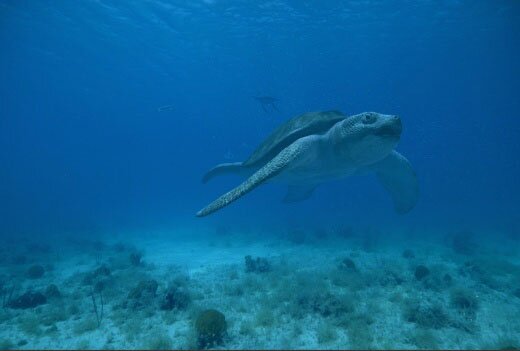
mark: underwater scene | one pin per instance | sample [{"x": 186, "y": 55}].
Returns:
[{"x": 270, "y": 174}]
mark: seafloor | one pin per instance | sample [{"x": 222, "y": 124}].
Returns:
[{"x": 332, "y": 288}]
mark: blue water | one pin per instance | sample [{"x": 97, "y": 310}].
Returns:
[{"x": 84, "y": 149}]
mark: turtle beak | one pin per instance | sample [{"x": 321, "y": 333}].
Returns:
[{"x": 392, "y": 127}]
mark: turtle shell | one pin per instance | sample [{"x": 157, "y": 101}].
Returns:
[{"x": 297, "y": 127}]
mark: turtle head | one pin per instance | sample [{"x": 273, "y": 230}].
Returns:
[{"x": 367, "y": 137}]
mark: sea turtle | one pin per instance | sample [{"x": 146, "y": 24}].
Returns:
[{"x": 317, "y": 147}]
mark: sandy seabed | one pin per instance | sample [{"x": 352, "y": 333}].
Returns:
[{"x": 330, "y": 288}]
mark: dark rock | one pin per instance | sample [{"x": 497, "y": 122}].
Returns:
[
  {"x": 447, "y": 279},
  {"x": 52, "y": 292},
  {"x": 135, "y": 259},
  {"x": 211, "y": 328},
  {"x": 347, "y": 264},
  {"x": 175, "y": 298},
  {"x": 35, "y": 271},
  {"x": 28, "y": 300},
  {"x": 421, "y": 272},
  {"x": 258, "y": 265}
]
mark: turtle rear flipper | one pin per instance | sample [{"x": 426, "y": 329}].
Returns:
[
  {"x": 223, "y": 168},
  {"x": 270, "y": 170}
]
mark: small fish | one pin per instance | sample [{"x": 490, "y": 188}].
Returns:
[
  {"x": 165, "y": 108},
  {"x": 268, "y": 103}
]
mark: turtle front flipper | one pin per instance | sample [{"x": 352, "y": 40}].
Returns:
[
  {"x": 271, "y": 169},
  {"x": 398, "y": 177}
]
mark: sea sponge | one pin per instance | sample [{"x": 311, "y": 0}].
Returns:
[
  {"x": 35, "y": 271},
  {"x": 211, "y": 328}
]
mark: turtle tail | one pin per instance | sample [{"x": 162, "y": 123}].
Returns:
[{"x": 223, "y": 168}]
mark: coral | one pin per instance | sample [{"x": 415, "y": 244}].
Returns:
[
  {"x": 142, "y": 296},
  {"x": 464, "y": 301},
  {"x": 391, "y": 277},
  {"x": 175, "y": 298},
  {"x": 421, "y": 272},
  {"x": 35, "y": 271},
  {"x": 425, "y": 314},
  {"x": 96, "y": 275},
  {"x": 211, "y": 328},
  {"x": 323, "y": 303},
  {"x": 258, "y": 265},
  {"x": 145, "y": 288},
  {"x": 52, "y": 292},
  {"x": 28, "y": 300}
]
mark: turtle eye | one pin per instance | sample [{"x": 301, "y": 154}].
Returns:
[{"x": 369, "y": 119}]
